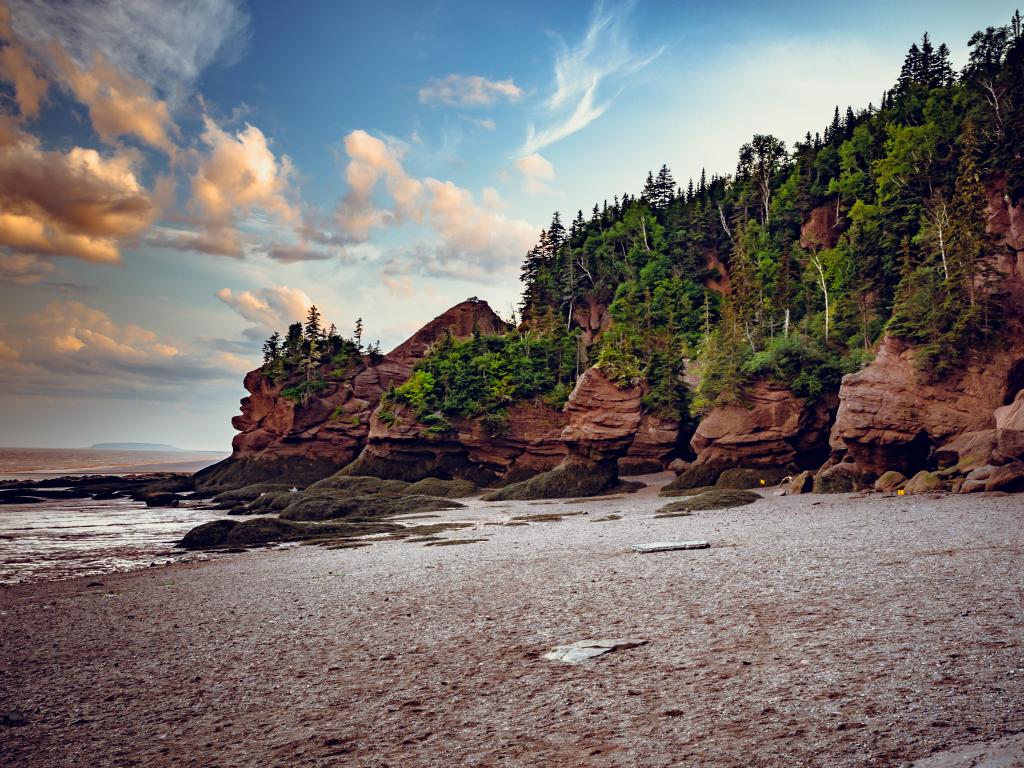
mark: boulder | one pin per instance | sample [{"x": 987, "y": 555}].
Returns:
[
  {"x": 801, "y": 483},
  {"x": 840, "y": 478},
  {"x": 772, "y": 428},
  {"x": 890, "y": 481},
  {"x": 678, "y": 465},
  {"x": 923, "y": 482},
  {"x": 968, "y": 450},
  {"x": 1009, "y": 431},
  {"x": 742, "y": 477},
  {"x": 976, "y": 479},
  {"x": 1008, "y": 478}
]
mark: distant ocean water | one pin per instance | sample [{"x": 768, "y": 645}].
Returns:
[
  {"x": 37, "y": 463},
  {"x": 77, "y": 537}
]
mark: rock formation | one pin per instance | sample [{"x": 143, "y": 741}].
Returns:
[
  {"x": 772, "y": 428},
  {"x": 303, "y": 440},
  {"x": 891, "y": 417},
  {"x": 602, "y": 421}
]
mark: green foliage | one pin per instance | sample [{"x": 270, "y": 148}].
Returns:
[
  {"x": 874, "y": 224},
  {"x": 481, "y": 376}
]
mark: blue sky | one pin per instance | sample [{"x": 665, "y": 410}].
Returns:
[{"x": 183, "y": 178}]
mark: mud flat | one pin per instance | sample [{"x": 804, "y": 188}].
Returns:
[{"x": 815, "y": 630}]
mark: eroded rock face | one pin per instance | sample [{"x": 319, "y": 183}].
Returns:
[
  {"x": 820, "y": 230},
  {"x": 603, "y": 418},
  {"x": 602, "y": 421},
  {"x": 776, "y": 430},
  {"x": 891, "y": 418},
  {"x": 400, "y": 447},
  {"x": 654, "y": 443}
]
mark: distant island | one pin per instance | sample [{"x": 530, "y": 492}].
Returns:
[{"x": 134, "y": 447}]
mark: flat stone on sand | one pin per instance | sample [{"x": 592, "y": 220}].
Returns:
[
  {"x": 669, "y": 546},
  {"x": 582, "y": 650}
]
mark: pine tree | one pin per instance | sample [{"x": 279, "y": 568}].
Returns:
[
  {"x": 357, "y": 334},
  {"x": 271, "y": 350},
  {"x": 314, "y": 331}
]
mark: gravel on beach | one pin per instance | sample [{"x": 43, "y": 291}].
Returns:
[{"x": 815, "y": 630}]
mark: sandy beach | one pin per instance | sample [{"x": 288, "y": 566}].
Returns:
[{"x": 816, "y": 630}]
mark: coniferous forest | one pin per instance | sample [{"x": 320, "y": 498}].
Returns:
[{"x": 791, "y": 268}]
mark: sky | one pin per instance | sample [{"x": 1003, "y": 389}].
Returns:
[{"x": 180, "y": 179}]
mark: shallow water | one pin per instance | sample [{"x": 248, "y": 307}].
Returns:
[{"x": 78, "y": 537}]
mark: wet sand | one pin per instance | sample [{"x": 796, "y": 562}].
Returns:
[{"x": 816, "y": 630}]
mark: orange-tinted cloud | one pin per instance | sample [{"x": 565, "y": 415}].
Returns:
[
  {"x": 119, "y": 105},
  {"x": 370, "y": 160},
  {"x": 78, "y": 203},
  {"x": 69, "y": 336},
  {"x": 473, "y": 239},
  {"x": 23, "y": 268},
  {"x": 269, "y": 307},
  {"x": 19, "y": 69},
  {"x": 239, "y": 175}
]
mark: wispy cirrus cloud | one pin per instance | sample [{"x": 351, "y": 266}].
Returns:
[
  {"x": 604, "y": 55},
  {"x": 468, "y": 91},
  {"x": 166, "y": 45}
]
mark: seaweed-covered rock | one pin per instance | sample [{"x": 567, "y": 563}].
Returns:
[
  {"x": 666, "y": 491},
  {"x": 448, "y": 489},
  {"x": 359, "y": 485},
  {"x": 743, "y": 477},
  {"x": 211, "y": 534},
  {"x": 238, "y": 471},
  {"x": 923, "y": 482},
  {"x": 249, "y": 492},
  {"x": 567, "y": 480},
  {"x": 329, "y": 505},
  {"x": 716, "y": 498},
  {"x": 268, "y": 530},
  {"x": 890, "y": 481},
  {"x": 161, "y": 499},
  {"x": 695, "y": 476}
]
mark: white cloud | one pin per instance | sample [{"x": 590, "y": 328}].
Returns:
[
  {"x": 604, "y": 53},
  {"x": 271, "y": 308},
  {"x": 468, "y": 91},
  {"x": 536, "y": 171}
]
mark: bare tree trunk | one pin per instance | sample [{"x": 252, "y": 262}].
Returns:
[
  {"x": 785, "y": 324},
  {"x": 824, "y": 287},
  {"x": 725, "y": 225}
]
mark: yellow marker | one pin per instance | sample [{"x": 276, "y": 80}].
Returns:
[
  {"x": 762, "y": 482},
  {"x": 900, "y": 492}
]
